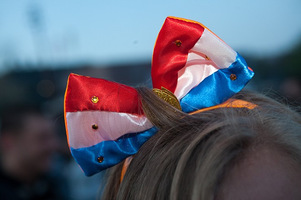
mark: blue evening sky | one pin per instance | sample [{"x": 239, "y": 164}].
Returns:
[{"x": 102, "y": 32}]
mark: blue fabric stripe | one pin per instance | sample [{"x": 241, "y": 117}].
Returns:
[
  {"x": 218, "y": 87},
  {"x": 214, "y": 90},
  {"x": 113, "y": 152}
]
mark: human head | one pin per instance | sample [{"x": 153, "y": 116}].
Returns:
[
  {"x": 27, "y": 141},
  {"x": 182, "y": 156},
  {"x": 214, "y": 153}
]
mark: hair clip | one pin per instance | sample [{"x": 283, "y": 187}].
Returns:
[
  {"x": 168, "y": 96},
  {"x": 192, "y": 69}
]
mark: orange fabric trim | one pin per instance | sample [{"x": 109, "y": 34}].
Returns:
[
  {"x": 231, "y": 103},
  {"x": 126, "y": 164},
  {"x": 67, "y": 134},
  {"x": 186, "y": 20},
  {"x": 192, "y": 21}
]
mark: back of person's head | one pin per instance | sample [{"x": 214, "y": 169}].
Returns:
[
  {"x": 195, "y": 135},
  {"x": 202, "y": 156}
]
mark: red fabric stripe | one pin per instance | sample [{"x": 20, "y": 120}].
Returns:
[
  {"x": 113, "y": 97},
  {"x": 168, "y": 58}
]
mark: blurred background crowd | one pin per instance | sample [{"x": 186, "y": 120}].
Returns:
[{"x": 41, "y": 42}]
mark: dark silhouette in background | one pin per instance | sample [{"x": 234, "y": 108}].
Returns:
[
  {"x": 280, "y": 74},
  {"x": 45, "y": 89},
  {"x": 28, "y": 143}
]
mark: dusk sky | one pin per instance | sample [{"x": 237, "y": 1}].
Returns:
[{"x": 102, "y": 32}]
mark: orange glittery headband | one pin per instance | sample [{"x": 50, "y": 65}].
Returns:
[{"x": 231, "y": 103}]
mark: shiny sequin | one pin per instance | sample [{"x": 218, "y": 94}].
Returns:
[
  {"x": 178, "y": 43},
  {"x": 95, "y": 99},
  {"x": 95, "y": 126},
  {"x": 100, "y": 159},
  {"x": 233, "y": 77}
]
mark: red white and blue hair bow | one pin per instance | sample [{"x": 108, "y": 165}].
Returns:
[{"x": 105, "y": 122}]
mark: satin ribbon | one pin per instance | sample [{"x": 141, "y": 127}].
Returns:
[{"x": 104, "y": 120}]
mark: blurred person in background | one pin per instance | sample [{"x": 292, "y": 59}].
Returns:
[
  {"x": 291, "y": 89},
  {"x": 27, "y": 143}
]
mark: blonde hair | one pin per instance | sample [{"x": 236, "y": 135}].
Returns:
[{"x": 190, "y": 154}]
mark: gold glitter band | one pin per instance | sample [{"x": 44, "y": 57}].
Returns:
[{"x": 168, "y": 96}]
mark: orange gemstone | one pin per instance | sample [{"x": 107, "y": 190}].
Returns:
[
  {"x": 100, "y": 159},
  {"x": 233, "y": 77},
  {"x": 178, "y": 43},
  {"x": 95, "y": 126}
]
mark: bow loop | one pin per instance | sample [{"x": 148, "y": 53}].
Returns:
[
  {"x": 103, "y": 119},
  {"x": 192, "y": 69},
  {"x": 196, "y": 65}
]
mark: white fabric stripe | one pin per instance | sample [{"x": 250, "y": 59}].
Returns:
[
  {"x": 111, "y": 126},
  {"x": 197, "y": 68},
  {"x": 218, "y": 51}
]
